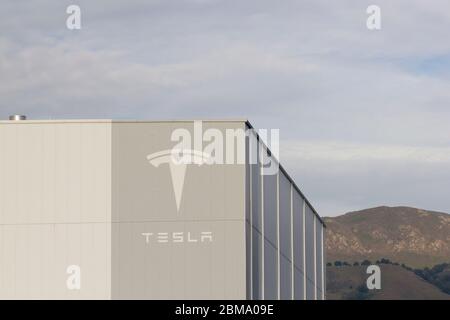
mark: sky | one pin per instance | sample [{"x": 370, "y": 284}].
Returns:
[{"x": 363, "y": 114}]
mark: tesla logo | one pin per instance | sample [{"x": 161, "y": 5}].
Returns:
[
  {"x": 213, "y": 147},
  {"x": 178, "y": 161}
]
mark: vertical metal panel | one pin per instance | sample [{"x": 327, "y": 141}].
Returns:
[
  {"x": 285, "y": 278},
  {"x": 270, "y": 209},
  {"x": 257, "y": 265},
  {"x": 324, "y": 275},
  {"x": 304, "y": 249},
  {"x": 248, "y": 225},
  {"x": 310, "y": 252},
  {"x": 270, "y": 226},
  {"x": 292, "y": 244},
  {"x": 298, "y": 285},
  {"x": 285, "y": 216},
  {"x": 319, "y": 259},
  {"x": 315, "y": 259},
  {"x": 256, "y": 219},
  {"x": 270, "y": 203},
  {"x": 261, "y": 153},
  {"x": 278, "y": 239},
  {"x": 299, "y": 267},
  {"x": 270, "y": 271},
  {"x": 248, "y": 260},
  {"x": 310, "y": 290},
  {"x": 256, "y": 193},
  {"x": 285, "y": 237}
]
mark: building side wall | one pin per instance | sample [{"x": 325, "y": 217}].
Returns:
[
  {"x": 54, "y": 209},
  {"x": 285, "y": 234},
  {"x": 158, "y": 252}
]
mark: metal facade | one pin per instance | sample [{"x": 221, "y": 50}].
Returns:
[
  {"x": 287, "y": 256},
  {"x": 83, "y": 193}
]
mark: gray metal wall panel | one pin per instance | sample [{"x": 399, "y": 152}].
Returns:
[
  {"x": 257, "y": 265},
  {"x": 285, "y": 279},
  {"x": 310, "y": 290},
  {"x": 285, "y": 216},
  {"x": 298, "y": 246},
  {"x": 324, "y": 269},
  {"x": 285, "y": 237},
  {"x": 256, "y": 193},
  {"x": 256, "y": 212},
  {"x": 248, "y": 224},
  {"x": 298, "y": 285},
  {"x": 270, "y": 217},
  {"x": 248, "y": 259},
  {"x": 309, "y": 245},
  {"x": 319, "y": 262},
  {"x": 270, "y": 209},
  {"x": 270, "y": 271}
]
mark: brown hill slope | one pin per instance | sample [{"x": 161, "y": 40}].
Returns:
[
  {"x": 412, "y": 236},
  {"x": 397, "y": 283}
]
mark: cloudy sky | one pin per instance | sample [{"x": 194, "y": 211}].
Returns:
[{"x": 364, "y": 116}]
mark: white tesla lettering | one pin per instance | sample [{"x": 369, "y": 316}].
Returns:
[{"x": 178, "y": 237}]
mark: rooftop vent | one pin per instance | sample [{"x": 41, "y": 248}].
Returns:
[{"x": 17, "y": 117}]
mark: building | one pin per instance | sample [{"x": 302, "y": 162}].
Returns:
[{"x": 105, "y": 209}]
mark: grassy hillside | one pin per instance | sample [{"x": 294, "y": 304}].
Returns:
[
  {"x": 439, "y": 276},
  {"x": 349, "y": 282}
]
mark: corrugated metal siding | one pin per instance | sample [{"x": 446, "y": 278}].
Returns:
[
  {"x": 289, "y": 243},
  {"x": 213, "y": 199},
  {"x": 55, "y": 209}
]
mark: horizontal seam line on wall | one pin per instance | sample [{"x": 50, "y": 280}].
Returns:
[{"x": 99, "y": 222}]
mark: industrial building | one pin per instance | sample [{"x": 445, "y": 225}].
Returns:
[{"x": 107, "y": 209}]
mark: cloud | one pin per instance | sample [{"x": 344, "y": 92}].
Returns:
[
  {"x": 365, "y": 114},
  {"x": 342, "y": 151},
  {"x": 339, "y": 177}
]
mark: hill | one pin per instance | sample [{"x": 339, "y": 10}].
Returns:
[{"x": 415, "y": 237}]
